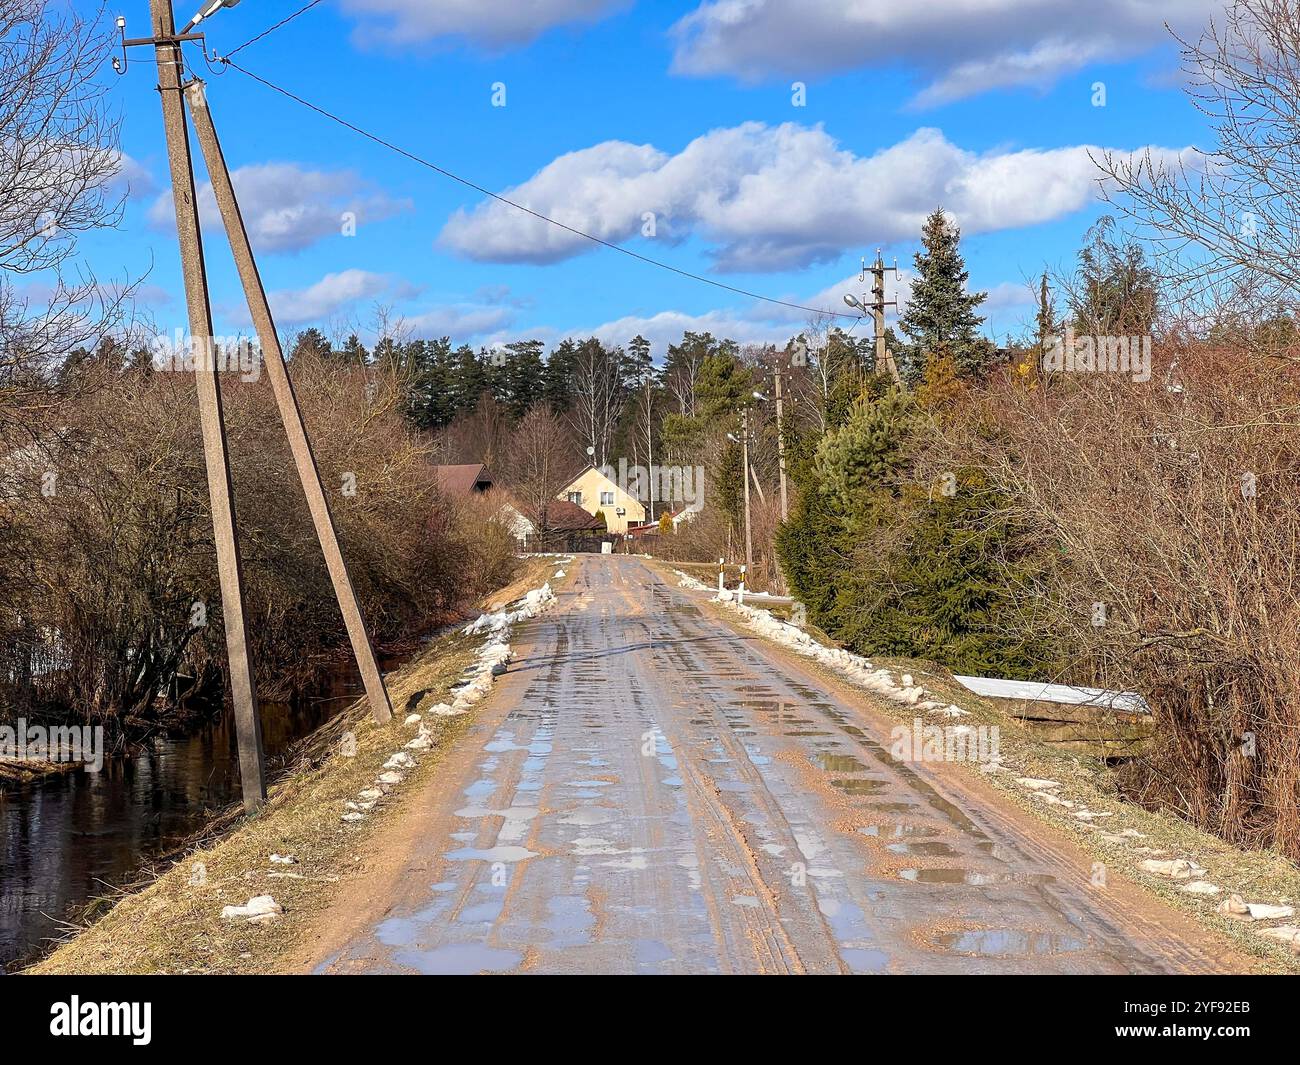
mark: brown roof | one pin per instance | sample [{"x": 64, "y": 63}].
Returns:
[
  {"x": 563, "y": 516},
  {"x": 462, "y": 480}
]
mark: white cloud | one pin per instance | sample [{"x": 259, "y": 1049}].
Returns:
[
  {"x": 462, "y": 322},
  {"x": 772, "y": 197},
  {"x": 317, "y": 303},
  {"x": 963, "y": 46},
  {"x": 335, "y": 297},
  {"x": 287, "y": 207},
  {"x": 492, "y": 23},
  {"x": 132, "y": 177}
]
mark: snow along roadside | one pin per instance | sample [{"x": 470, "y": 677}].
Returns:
[{"x": 490, "y": 663}]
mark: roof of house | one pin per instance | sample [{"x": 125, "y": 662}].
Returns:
[
  {"x": 464, "y": 479},
  {"x": 563, "y": 516}
]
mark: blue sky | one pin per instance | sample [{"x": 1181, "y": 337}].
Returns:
[{"x": 683, "y": 110}]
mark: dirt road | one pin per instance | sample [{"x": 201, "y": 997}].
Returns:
[{"x": 649, "y": 790}]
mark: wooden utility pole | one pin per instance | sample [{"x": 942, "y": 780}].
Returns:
[
  {"x": 780, "y": 442},
  {"x": 287, "y": 401},
  {"x": 243, "y": 689},
  {"x": 884, "y": 357},
  {"x": 744, "y": 450}
]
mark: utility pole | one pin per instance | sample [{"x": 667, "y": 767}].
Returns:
[
  {"x": 884, "y": 357},
  {"x": 744, "y": 450},
  {"x": 780, "y": 442},
  {"x": 248, "y": 725},
  {"x": 287, "y": 401}
]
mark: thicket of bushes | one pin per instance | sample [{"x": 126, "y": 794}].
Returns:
[{"x": 110, "y": 575}]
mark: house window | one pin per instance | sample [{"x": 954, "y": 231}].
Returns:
[
  {"x": 606, "y": 499},
  {"x": 575, "y": 497}
]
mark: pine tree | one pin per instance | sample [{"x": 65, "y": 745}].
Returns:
[
  {"x": 940, "y": 312},
  {"x": 1045, "y": 320}
]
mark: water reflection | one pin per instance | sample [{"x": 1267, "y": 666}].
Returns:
[{"x": 66, "y": 839}]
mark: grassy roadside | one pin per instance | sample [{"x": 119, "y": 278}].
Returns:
[
  {"x": 174, "y": 925},
  {"x": 1122, "y": 838}
]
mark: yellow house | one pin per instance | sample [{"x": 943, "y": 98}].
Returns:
[{"x": 594, "y": 492}]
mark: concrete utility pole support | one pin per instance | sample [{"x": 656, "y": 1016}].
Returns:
[
  {"x": 248, "y": 724},
  {"x": 780, "y": 443},
  {"x": 287, "y": 401}
]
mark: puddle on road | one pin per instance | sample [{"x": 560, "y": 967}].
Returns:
[
  {"x": 971, "y": 878},
  {"x": 839, "y": 763},
  {"x": 851, "y": 786},
  {"x": 865, "y": 961},
  {"x": 895, "y": 831},
  {"x": 1006, "y": 942},
  {"x": 923, "y": 849},
  {"x": 491, "y": 854},
  {"x": 459, "y": 959}
]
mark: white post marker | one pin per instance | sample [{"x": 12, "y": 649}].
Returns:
[
  {"x": 741, "y": 593},
  {"x": 721, "y": 589}
]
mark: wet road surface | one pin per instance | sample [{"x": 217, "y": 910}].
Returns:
[{"x": 651, "y": 791}]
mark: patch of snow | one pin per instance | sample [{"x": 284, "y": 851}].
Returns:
[
  {"x": 259, "y": 909},
  {"x": 1263, "y": 911},
  {"x": 283, "y": 859},
  {"x": 854, "y": 667},
  {"x": 1201, "y": 887},
  {"x": 1288, "y": 934},
  {"x": 1177, "y": 869},
  {"x": 687, "y": 581}
]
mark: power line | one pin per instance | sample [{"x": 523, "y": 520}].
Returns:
[
  {"x": 528, "y": 210},
  {"x": 272, "y": 29}
]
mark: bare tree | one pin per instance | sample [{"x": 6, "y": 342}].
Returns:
[
  {"x": 1226, "y": 222},
  {"x": 598, "y": 391},
  {"x": 681, "y": 378},
  {"x": 539, "y": 461},
  {"x": 479, "y": 435},
  {"x": 59, "y": 159}
]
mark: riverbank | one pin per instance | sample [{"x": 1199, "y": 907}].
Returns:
[{"x": 344, "y": 785}]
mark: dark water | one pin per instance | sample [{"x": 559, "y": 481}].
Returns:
[{"x": 66, "y": 839}]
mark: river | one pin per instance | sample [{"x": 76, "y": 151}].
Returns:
[{"x": 68, "y": 838}]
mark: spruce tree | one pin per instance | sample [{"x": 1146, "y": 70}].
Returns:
[{"x": 941, "y": 313}]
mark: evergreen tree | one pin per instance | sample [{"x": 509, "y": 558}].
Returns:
[
  {"x": 1045, "y": 322},
  {"x": 561, "y": 369},
  {"x": 310, "y": 342},
  {"x": 1115, "y": 288},
  {"x": 353, "y": 352},
  {"x": 940, "y": 312},
  {"x": 469, "y": 379},
  {"x": 525, "y": 373}
]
